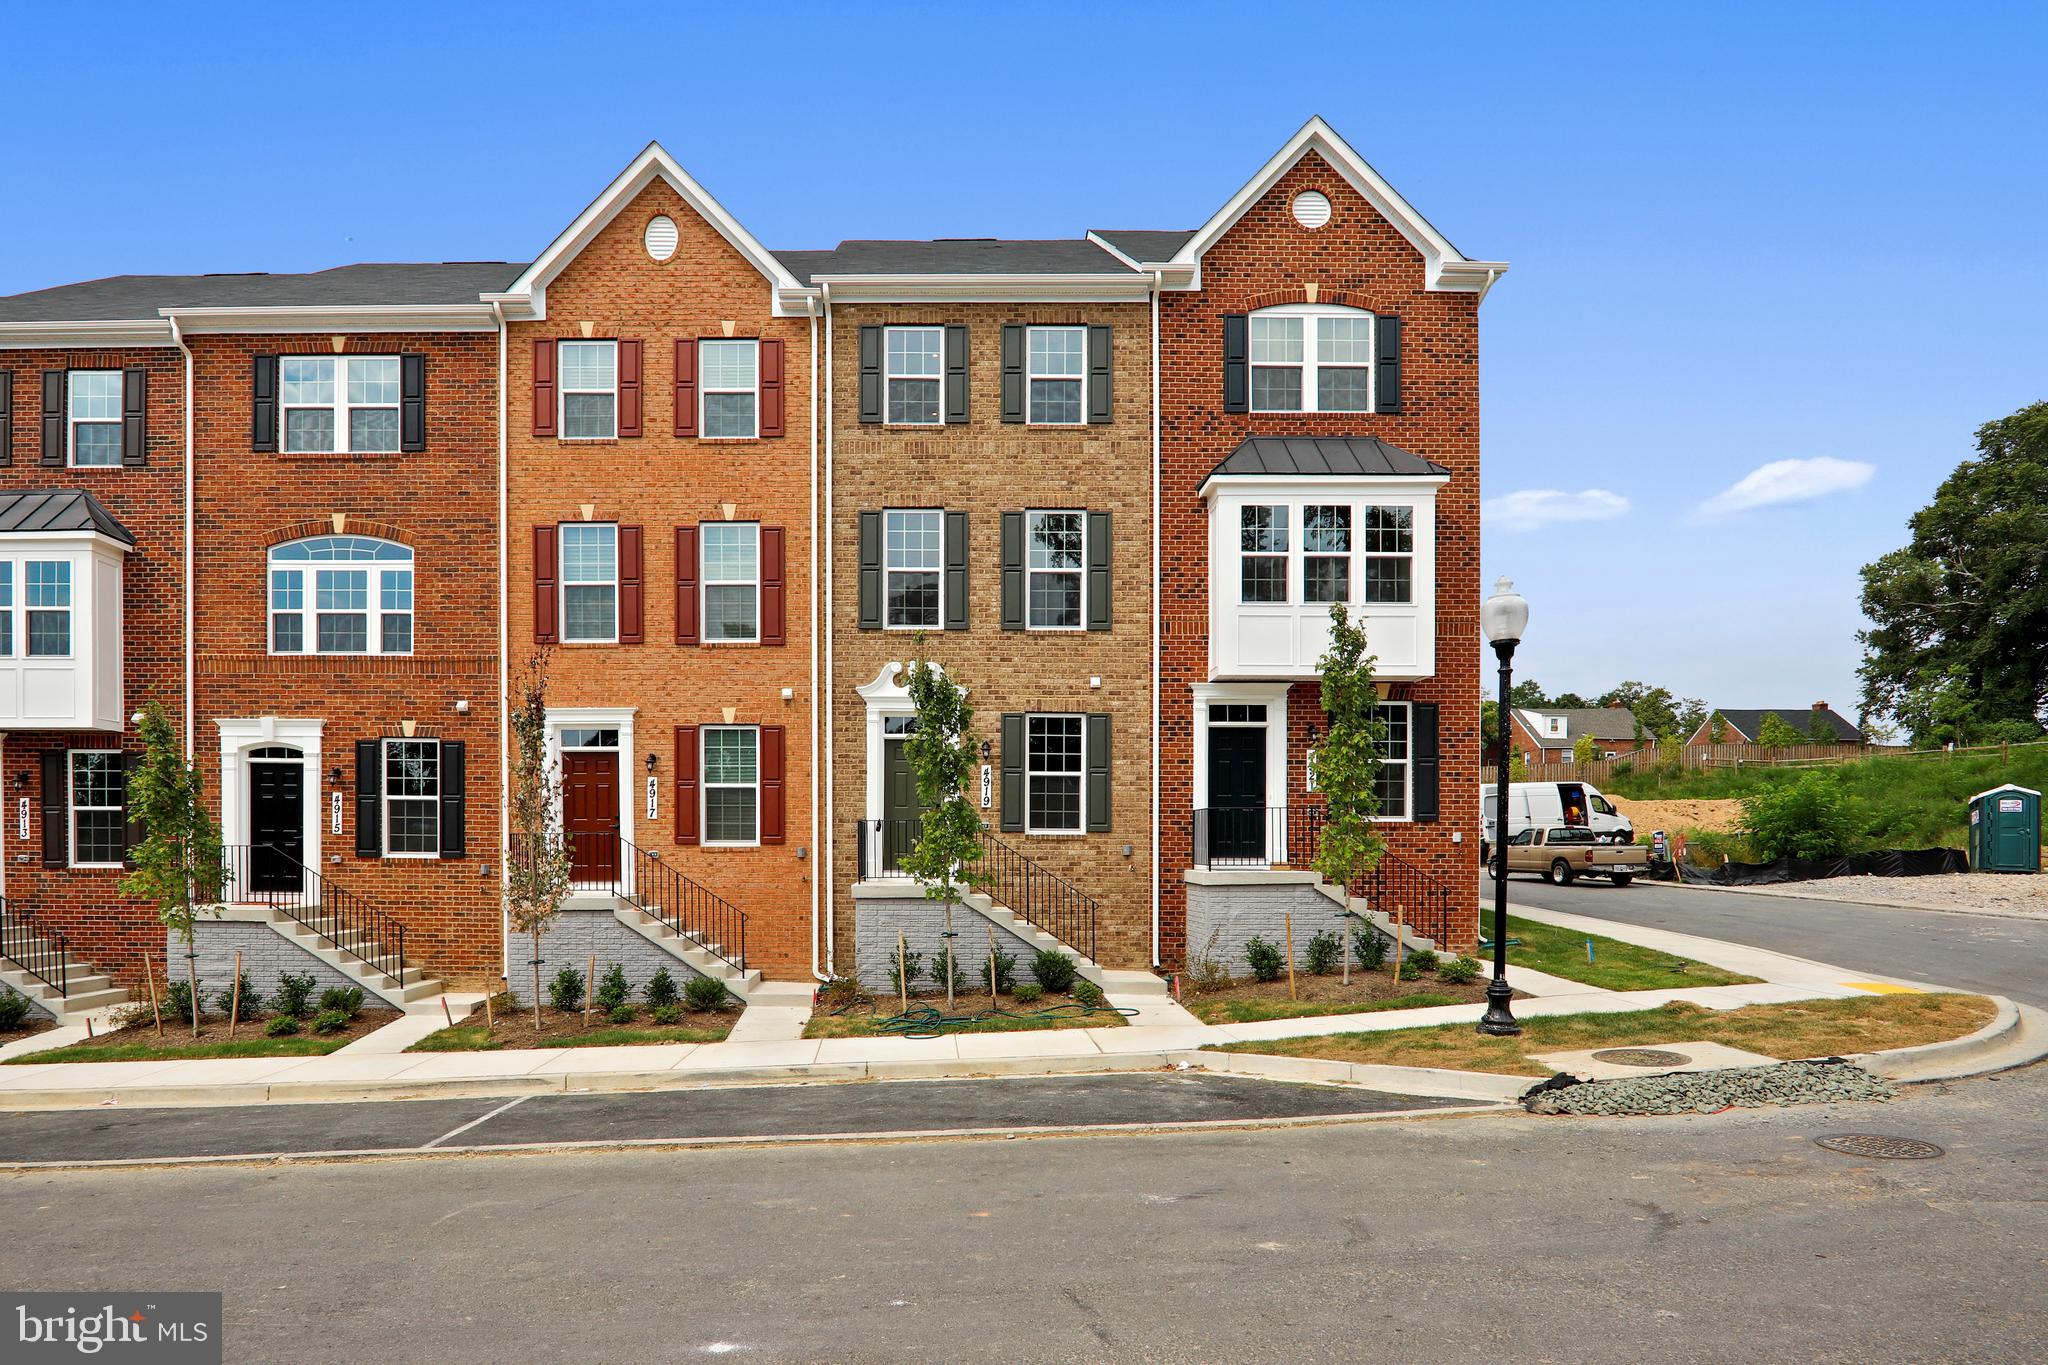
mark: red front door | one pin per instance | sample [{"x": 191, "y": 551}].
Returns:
[{"x": 590, "y": 809}]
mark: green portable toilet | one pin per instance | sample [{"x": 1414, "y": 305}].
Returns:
[{"x": 2005, "y": 830}]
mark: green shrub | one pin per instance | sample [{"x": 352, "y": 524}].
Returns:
[
  {"x": 1265, "y": 959},
  {"x": 1422, "y": 959},
  {"x": 252, "y": 1003},
  {"x": 283, "y": 1026},
  {"x": 1410, "y": 971},
  {"x": 906, "y": 964},
  {"x": 1028, "y": 991},
  {"x": 1053, "y": 970},
  {"x": 1807, "y": 818},
  {"x": 625, "y": 1012},
  {"x": 330, "y": 1021},
  {"x": 841, "y": 993},
  {"x": 1325, "y": 953},
  {"x": 1006, "y": 971},
  {"x": 661, "y": 989},
  {"x": 613, "y": 990},
  {"x": 705, "y": 993},
  {"x": 667, "y": 1015},
  {"x": 178, "y": 999},
  {"x": 565, "y": 992},
  {"x": 13, "y": 1008},
  {"x": 1087, "y": 993},
  {"x": 1369, "y": 946},
  {"x": 1459, "y": 971},
  {"x": 346, "y": 1001},
  {"x": 943, "y": 962},
  {"x": 294, "y": 994}
]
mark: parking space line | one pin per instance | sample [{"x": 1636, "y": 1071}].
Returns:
[{"x": 458, "y": 1132}]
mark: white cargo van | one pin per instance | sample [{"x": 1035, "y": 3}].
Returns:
[{"x": 1553, "y": 805}]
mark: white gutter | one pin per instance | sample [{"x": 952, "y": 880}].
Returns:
[
  {"x": 1156, "y": 853},
  {"x": 817, "y": 618},
  {"x": 190, "y": 650},
  {"x": 504, "y": 679}
]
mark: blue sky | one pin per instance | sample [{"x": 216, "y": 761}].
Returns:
[{"x": 1741, "y": 234}]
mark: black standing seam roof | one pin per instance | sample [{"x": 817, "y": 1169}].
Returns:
[
  {"x": 1324, "y": 456},
  {"x": 58, "y": 510}
]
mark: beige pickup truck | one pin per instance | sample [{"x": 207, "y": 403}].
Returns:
[{"x": 1565, "y": 855}]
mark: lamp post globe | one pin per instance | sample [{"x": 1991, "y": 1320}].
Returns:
[{"x": 1504, "y": 616}]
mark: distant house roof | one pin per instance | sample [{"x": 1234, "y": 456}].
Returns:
[
  {"x": 121, "y": 297},
  {"x": 1144, "y": 244},
  {"x": 1746, "y": 724},
  {"x": 56, "y": 511},
  {"x": 1600, "y": 722},
  {"x": 1324, "y": 456},
  {"x": 955, "y": 256}
]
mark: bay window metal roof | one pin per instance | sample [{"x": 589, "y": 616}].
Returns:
[
  {"x": 58, "y": 511},
  {"x": 1328, "y": 457}
]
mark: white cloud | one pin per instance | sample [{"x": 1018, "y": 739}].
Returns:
[
  {"x": 1783, "y": 481},
  {"x": 1532, "y": 509}
]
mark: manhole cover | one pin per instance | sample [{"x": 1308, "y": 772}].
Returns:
[
  {"x": 1878, "y": 1145},
  {"x": 1641, "y": 1056}
]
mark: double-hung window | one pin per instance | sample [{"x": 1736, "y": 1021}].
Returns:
[
  {"x": 1326, "y": 553},
  {"x": 1052, "y": 774},
  {"x": 1305, "y": 359},
  {"x": 729, "y": 372},
  {"x": 732, "y": 784},
  {"x": 1262, "y": 539},
  {"x": 343, "y": 404},
  {"x": 1056, "y": 367},
  {"x": 590, "y": 389},
  {"x": 590, "y": 583},
  {"x": 412, "y": 798},
  {"x": 1391, "y": 786},
  {"x": 1055, "y": 568},
  {"x": 341, "y": 595},
  {"x": 93, "y": 403},
  {"x": 46, "y": 585},
  {"x": 1389, "y": 554},
  {"x": 913, "y": 569},
  {"x": 99, "y": 824},
  {"x": 913, "y": 365},
  {"x": 732, "y": 580}
]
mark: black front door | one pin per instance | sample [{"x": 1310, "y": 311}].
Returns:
[
  {"x": 1237, "y": 793},
  {"x": 277, "y": 825},
  {"x": 901, "y": 818}
]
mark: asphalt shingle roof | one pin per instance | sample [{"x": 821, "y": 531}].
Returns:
[
  {"x": 1145, "y": 244},
  {"x": 1601, "y": 722},
  {"x": 122, "y": 297},
  {"x": 1747, "y": 723},
  {"x": 58, "y": 510},
  {"x": 1324, "y": 456},
  {"x": 955, "y": 256}
]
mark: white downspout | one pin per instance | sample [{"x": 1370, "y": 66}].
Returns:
[
  {"x": 504, "y": 675},
  {"x": 178, "y": 336},
  {"x": 824, "y": 697},
  {"x": 1157, "y": 282},
  {"x": 818, "y": 622}
]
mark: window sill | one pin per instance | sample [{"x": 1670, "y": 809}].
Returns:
[
  {"x": 96, "y": 867},
  {"x": 709, "y": 843},
  {"x": 589, "y": 440},
  {"x": 407, "y": 857},
  {"x": 1056, "y": 833}
]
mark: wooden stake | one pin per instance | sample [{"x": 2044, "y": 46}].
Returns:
[
  {"x": 1399, "y": 931},
  {"x": 446, "y": 1013},
  {"x": 235, "y": 996},
  {"x": 589, "y": 989},
  {"x": 490, "y": 1015},
  {"x": 149, "y": 979},
  {"x": 1288, "y": 922},
  {"x": 902, "y": 971}
]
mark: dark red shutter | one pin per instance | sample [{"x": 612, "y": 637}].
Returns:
[
  {"x": 773, "y": 821},
  {"x": 771, "y": 389},
  {"x": 686, "y": 585},
  {"x": 773, "y": 611},
  {"x": 632, "y": 591},
  {"x": 686, "y": 784},
  {"x": 686, "y": 388},
  {"x": 629, "y": 388},
  {"x": 544, "y": 388},
  {"x": 544, "y": 585}
]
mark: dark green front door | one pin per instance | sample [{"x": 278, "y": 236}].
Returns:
[{"x": 900, "y": 813}]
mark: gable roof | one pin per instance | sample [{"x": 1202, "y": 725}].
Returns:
[
  {"x": 955, "y": 256},
  {"x": 1323, "y": 457},
  {"x": 1748, "y": 722},
  {"x": 1600, "y": 722},
  {"x": 58, "y": 511},
  {"x": 370, "y": 284},
  {"x": 1141, "y": 245}
]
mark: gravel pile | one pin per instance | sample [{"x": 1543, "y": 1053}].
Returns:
[{"x": 1706, "y": 1092}]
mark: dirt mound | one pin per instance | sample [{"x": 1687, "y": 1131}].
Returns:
[{"x": 1673, "y": 816}]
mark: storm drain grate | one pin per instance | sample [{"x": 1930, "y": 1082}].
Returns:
[
  {"x": 1641, "y": 1056},
  {"x": 1879, "y": 1145}
]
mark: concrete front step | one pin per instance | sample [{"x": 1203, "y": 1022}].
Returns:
[
  {"x": 88, "y": 989},
  {"x": 686, "y": 948},
  {"x": 1113, "y": 981},
  {"x": 412, "y": 990}
]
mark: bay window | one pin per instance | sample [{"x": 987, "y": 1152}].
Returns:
[{"x": 1263, "y": 565}]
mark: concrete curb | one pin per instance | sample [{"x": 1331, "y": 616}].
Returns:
[
  {"x": 2016, "y": 1036},
  {"x": 1844, "y": 900}
]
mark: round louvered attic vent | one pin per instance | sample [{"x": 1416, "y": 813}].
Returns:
[
  {"x": 661, "y": 235},
  {"x": 1311, "y": 209}
]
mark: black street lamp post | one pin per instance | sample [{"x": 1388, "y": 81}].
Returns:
[{"x": 1505, "y": 615}]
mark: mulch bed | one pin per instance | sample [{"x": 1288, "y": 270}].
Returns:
[
  {"x": 567, "y": 1028},
  {"x": 1009, "y": 1015},
  {"x": 214, "y": 1029},
  {"x": 1318, "y": 995},
  {"x": 28, "y": 1028}
]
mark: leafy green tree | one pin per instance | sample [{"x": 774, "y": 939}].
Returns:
[
  {"x": 1518, "y": 767},
  {"x": 177, "y": 866},
  {"x": 1717, "y": 729},
  {"x": 1348, "y": 758},
  {"x": 940, "y": 752},
  {"x": 537, "y": 875},
  {"x": 1809, "y": 817},
  {"x": 1570, "y": 701},
  {"x": 1820, "y": 728},
  {"x": 1777, "y": 733},
  {"x": 1655, "y": 708},
  {"x": 1959, "y": 613},
  {"x": 1585, "y": 749}
]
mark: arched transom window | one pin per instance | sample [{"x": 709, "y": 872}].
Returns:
[
  {"x": 1309, "y": 357},
  {"x": 341, "y": 595}
]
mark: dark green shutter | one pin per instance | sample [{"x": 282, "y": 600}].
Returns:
[
  {"x": 135, "y": 417},
  {"x": 1099, "y": 357},
  {"x": 1098, "y": 773},
  {"x": 1424, "y": 754},
  {"x": 871, "y": 571},
  {"x": 454, "y": 801},
  {"x": 263, "y": 405},
  {"x": 1237, "y": 370},
  {"x": 6, "y": 417},
  {"x": 56, "y": 807},
  {"x": 53, "y": 423},
  {"x": 369, "y": 798},
  {"x": 1013, "y": 772},
  {"x": 956, "y": 372},
  {"x": 956, "y": 571},
  {"x": 1013, "y": 373},
  {"x": 1013, "y": 571},
  {"x": 870, "y": 373},
  {"x": 1098, "y": 570},
  {"x": 1386, "y": 332},
  {"x": 412, "y": 402}
]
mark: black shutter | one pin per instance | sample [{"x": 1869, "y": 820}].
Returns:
[
  {"x": 870, "y": 374},
  {"x": 6, "y": 417},
  {"x": 369, "y": 798},
  {"x": 1237, "y": 369},
  {"x": 1013, "y": 373},
  {"x": 956, "y": 571},
  {"x": 956, "y": 372},
  {"x": 1013, "y": 571},
  {"x": 1099, "y": 356},
  {"x": 871, "y": 571},
  {"x": 1386, "y": 332},
  {"x": 135, "y": 417},
  {"x": 1098, "y": 571},
  {"x": 130, "y": 763},
  {"x": 1422, "y": 745},
  {"x": 1013, "y": 772},
  {"x": 263, "y": 405},
  {"x": 56, "y": 807},
  {"x": 454, "y": 803},
  {"x": 412, "y": 402},
  {"x": 53, "y": 424},
  {"x": 1098, "y": 773}
]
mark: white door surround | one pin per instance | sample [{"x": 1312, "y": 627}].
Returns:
[
  {"x": 618, "y": 718},
  {"x": 241, "y": 736},
  {"x": 1272, "y": 696}
]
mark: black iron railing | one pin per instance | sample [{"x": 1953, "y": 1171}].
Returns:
[
  {"x": 603, "y": 861},
  {"x": 42, "y": 953},
  {"x": 1287, "y": 836},
  {"x": 1030, "y": 891},
  {"x": 262, "y": 874}
]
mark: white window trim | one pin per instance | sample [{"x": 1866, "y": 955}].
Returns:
[
  {"x": 705, "y": 583},
  {"x": 340, "y": 407},
  {"x": 1029, "y": 573},
  {"x": 72, "y": 421},
  {"x": 704, "y": 390},
  {"x": 1292, "y": 554},
  {"x": 23, "y": 610},
  {"x": 1311, "y": 361},
  {"x": 1363, "y": 554},
  {"x": 72, "y": 808},
  {"x": 384, "y": 798},
  {"x": 309, "y": 596},
  {"x": 1407, "y": 767},
  {"x": 562, "y": 585},
  {"x": 562, "y": 389},
  {"x": 1080, "y": 775},
  {"x": 888, "y": 568},
  {"x": 889, "y": 376},
  {"x": 1349, "y": 554},
  {"x": 705, "y": 784},
  {"x": 1032, "y": 376},
  {"x": 1298, "y": 554}
]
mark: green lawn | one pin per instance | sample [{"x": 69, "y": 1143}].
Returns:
[
  {"x": 1255, "y": 1010},
  {"x": 168, "y": 1051},
  {"x": 1616, "y": 966}
]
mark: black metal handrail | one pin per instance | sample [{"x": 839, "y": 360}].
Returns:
[
  {"x": 1027, "y": 889},
  {"x": 1288, "y": 836},
  {"x": 43, "y": 954},
  {"x": 347, "y": 922},
  {"x": 603, "y": 861}
]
